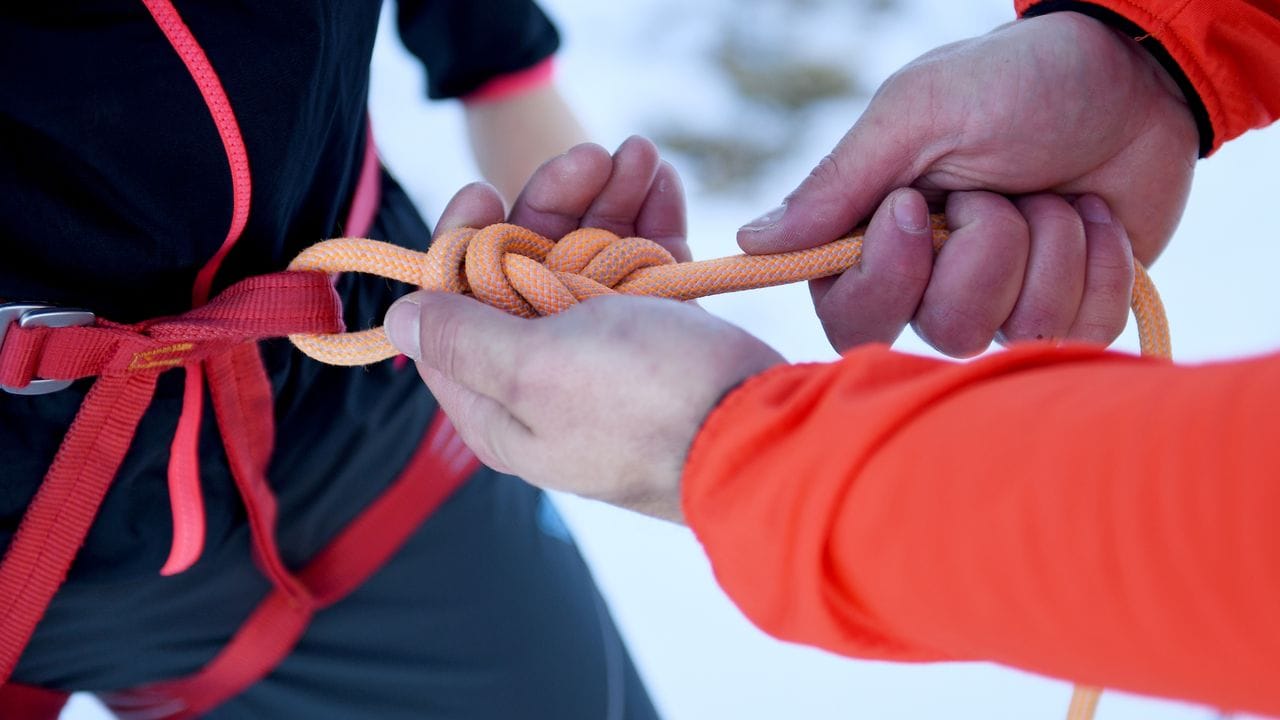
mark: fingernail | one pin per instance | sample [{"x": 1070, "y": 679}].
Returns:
[
  {"x": 1094, "y": 209},
  {"x": 767, "y": 220},
  {"x": 401, "y": 325},
  {"x": 910, "y": 213}
]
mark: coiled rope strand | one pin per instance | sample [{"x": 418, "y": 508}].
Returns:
[{"x": 525, "y": 274}]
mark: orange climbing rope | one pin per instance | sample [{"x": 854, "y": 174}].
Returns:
[{"x": 518, "y": 270}]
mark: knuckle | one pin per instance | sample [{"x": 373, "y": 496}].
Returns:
[
  {"x": 828, "y": 171},
  {"x": 1057, "y": 224},
  {"x": 614, "y": 222},
  {"x": 851, "y": 318},
  {"x": 843, "y": 337},
  {"x": 906, "y": 83},
  {"x": 1005, "y": 221},
  {"x": 473, "y": 433},
  {"x": 994, "y": 215},
  {"x": 1109, "y": 287},
  {"x": 441, "y": 349},
  {"x": 1103, "y": 323},
  {"x": 905, "y": 276},
  {"x": 496, "y": 445},
  {"x": 955, "y": 331},
  {"x": 1050, "y": 208},
  {"x": 1099, "y": 329},
  {"x": 511, "y": 389},
  {"x": 899, "y": 262},
  {"x": 1034, "y": 323},
  {"x": 1112, "y": 275}
]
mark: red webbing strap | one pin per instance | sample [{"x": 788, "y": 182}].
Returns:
[
  {"x": 246, "y": 419},
  {"x": 128, "y": 360},
  {"x": 58, "y": 519},
  {"x": 224, "y": 119},
  {"x": 186, "y": 501},
  {"x": 433, "y": 473},
  {"x": 265, "y": 638},
  {"x": 436, "y": 469},
  {"x": 255, "y": 308},
  {"x": 26, "y": 702}
]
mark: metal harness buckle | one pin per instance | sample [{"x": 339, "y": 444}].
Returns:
[{"x": 28, "y": 315}]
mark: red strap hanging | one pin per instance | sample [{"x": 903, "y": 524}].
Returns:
[{"x": 186, "y": 499}]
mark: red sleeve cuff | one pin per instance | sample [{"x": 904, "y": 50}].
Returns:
[{"x": 505, "y": 87}]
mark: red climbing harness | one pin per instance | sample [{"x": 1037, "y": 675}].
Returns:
[{"x": 42, "y": 349}]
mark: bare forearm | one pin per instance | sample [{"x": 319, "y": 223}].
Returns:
[{"x": 511, "y": 137}]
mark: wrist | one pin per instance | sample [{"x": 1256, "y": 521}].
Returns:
[
  {"x": 1178, "y": 110},
  {"x": 701, "y": 458},
  {"x": 1137, "y": 39}
]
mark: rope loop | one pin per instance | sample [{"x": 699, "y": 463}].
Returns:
[{"x": 525, "y": 274}]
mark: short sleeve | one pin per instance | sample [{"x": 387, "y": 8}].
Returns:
[{"x": 465, "y": 44}]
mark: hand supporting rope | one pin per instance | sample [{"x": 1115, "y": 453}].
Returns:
[{"x": 526, "y": 274}]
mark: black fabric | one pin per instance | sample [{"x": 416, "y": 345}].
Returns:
[
  {"x": 488, "y": 614},
  {"x": 486, "y": 38},
  {"x": 114, "y": 191},
  {"x": 1151, "y": 45},
  {"x": 115, "y": 184}
]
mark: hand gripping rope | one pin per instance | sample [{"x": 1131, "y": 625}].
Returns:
[{"x": 525, "y": 274}]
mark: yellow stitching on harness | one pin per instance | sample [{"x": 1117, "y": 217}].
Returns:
[{"x": 150, "y": 359}]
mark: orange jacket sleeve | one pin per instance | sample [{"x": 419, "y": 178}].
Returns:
[
  {"x": 1107, "y": 519},
  {"x": 1224, "y": 54}
]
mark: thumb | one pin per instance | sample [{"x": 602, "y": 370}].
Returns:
[
  {"x": 873, "y": 158},
  {"x": 468, "y": 342}
]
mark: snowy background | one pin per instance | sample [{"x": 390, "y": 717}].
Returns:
[{"x": 745, "y": 96}]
